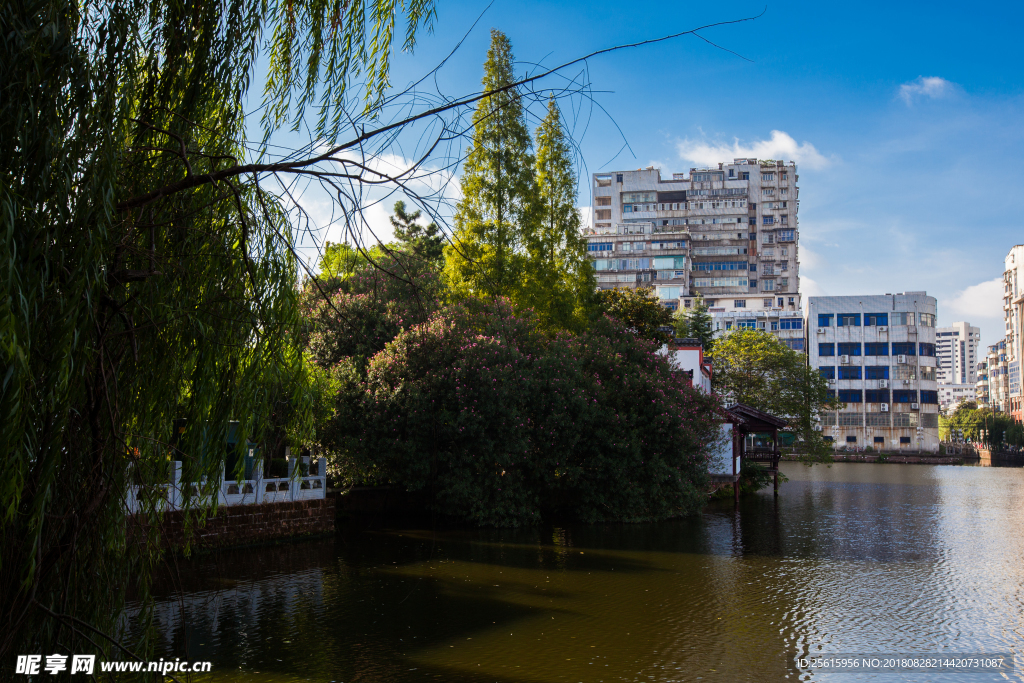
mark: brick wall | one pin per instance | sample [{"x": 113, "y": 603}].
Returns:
[{"x": 253, "y": 524}]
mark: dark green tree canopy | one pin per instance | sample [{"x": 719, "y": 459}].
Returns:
[{"x": 639, "y": 311}]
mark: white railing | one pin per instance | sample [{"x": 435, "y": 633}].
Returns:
[{"x": 175, "y": 494}]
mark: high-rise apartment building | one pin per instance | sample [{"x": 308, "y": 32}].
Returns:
[
  {"x": 1013, "y": 318},
  {"x": 998, "y": 377},
  {"x": 981, "y": 386},
  {"x": 956, "y": 350},
  {"x": 878, "y": 354},
  {"x": 729, "y": 233}
]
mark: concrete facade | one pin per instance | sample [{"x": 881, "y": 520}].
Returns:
[
  {"x": 1013, "y": 318},
  {"x": 997, "y": 363},
  {"x": 878, "y": 352},
  {"x": 957, "y": 353},
  {"x": 952, "y": 395},
  {"x": 729, "y": 233}
]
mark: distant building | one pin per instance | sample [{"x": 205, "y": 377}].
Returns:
[
  {"x": 952, "y": 395},
  {"x": 981, "y": 386},
  {"x": 878, "y": 354},
  {"x": 1013, "y": 318},
  {"x": 998, "y": 377},
  {"x": 956, "y": 353},
  {"x": 729, "y": 233},
  {"x": 782, "y": 316}
]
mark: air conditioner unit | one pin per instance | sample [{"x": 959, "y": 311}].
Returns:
[
  {"x": 906, "y": 382},
  {"x": 883, "y": 329},
  {"x": 821, "y": 330},
  {"x": 883, "y": 384},
  {"x": 901, "y": 359},
  {"x": 845, "y": 360},
  {"x": 817, "y": 428},
  {"x": 884, "y": 407},
  {"x": 915, "y": 406},
  {"x": 831, "y": 382}
]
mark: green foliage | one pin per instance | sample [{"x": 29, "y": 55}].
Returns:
[
  {"x": 137, "y": 291},
  {"x": 561, "y": 285},
  {"x": 695, "y": 323},
  {"x": 341, "y": 261},
  {"x": 982, "y": 425},
  {"x": 639, "y": 311},
  {"x": 498, "y": 423},
  {"x": 356, "y": 319},
  {"x": 753, "y": 367},
  {"x": 423, "y": 241},
  {"x": 317, "y": 46},
  {"x": 498, "y": 206}
]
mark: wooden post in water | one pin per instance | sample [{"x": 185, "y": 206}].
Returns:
[
  {"x": 775, "y": 452},
  {"x": 737, "y": 452}
]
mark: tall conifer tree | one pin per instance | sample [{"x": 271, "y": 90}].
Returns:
[
  {"x": 486, "y": 256},
  {"x": 561, "y": 280}
]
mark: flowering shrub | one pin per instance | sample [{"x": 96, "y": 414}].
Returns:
[
  {"x": 364, "y": 311},
  {"x": 498, "y": 423}
]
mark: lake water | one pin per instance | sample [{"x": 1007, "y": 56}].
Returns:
[{"x": 856, "y": 558}]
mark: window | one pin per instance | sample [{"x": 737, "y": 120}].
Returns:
[
  {"x": 827, "y": 371},
  {"x": 851, "y": 439},
  {"x": 785, "y": 235},
  {"x": 600, "y": 246},
  {"x": 791, "y": 324},
  {"x": 719, "y": 282},
  {"x": 767, "y": 285},
  {"x": 670, "y": 305},
  {"x": 876, "y": 348},
  {"x": 795, "y": 344},
  {"x": 879, "y": 440},
  {"x": 849, "y": 372},
  {"x": 904, "y": 396},
  {"x": 849, "y": 349},
  {"x": 904, "y": 372},
  {"x": 825, "y": 319},
  {"x": 874, "y": 319},
  {"x": 876, "y": 372},
  {"x": 876, "y": 395},
  {"x": 767, "y": 176},
  {"x": 848, "y": 320},
  {"x": 618, "y": 178},
  {"x": 927, "y": 349},
  {"x": 927, "y": 319},
  {"x": 739, "y": 303},
  {"x": 746, "y": 324},
  {"x": 904, "y": 349},
  {"x": 768, "y": 220},
  {"x": 851, "y": 396},
  {"x": 827, "y": 349},
  {"x": 604, "y": 201},
  {"x": 928, "y": 373},
  {"x": 792, "y": 301},
  {"x": 753, "y": 283},
  {"x": 929, "y": 396},
  {"x": 767, "y": 303},
  {"x": 721, "y": 265},
  {"x": 901, "y": 318},
  {"x": 828, "y": 439},
  {"x": 904, "y": 440},
  {"x": 604, "y": 180},
  {"x": 780, "y": 301}
]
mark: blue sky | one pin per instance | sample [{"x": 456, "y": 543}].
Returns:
[{"x": 905, "y": 121}]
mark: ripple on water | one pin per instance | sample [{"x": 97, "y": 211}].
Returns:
[{"x": 852, "y": 558}]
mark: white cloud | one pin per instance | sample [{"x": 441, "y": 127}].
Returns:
[
  {"x": 930, "y": 86},
  {"x": 809, "y": 287},
  {"x": 983, "y": 300},
  {"x": 780, "y": 146},
  {"x": 585, "y": 213}
]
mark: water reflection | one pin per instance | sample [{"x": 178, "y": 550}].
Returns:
[{"x": 852, "y": 558}]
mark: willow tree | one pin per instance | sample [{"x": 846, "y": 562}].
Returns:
[
  {"x": 486, "y": 256},
  {"x": 148, "y": 274}
]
